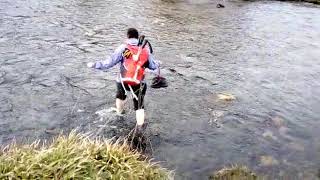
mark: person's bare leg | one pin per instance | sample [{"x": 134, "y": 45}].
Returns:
[
  {"x": 140, "y": 115},
  {"x": 120, "y": 106}
]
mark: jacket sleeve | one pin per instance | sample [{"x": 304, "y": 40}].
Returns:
[
  {"x": 153, "y": 64},
  {"x": 111, "y": 61}
]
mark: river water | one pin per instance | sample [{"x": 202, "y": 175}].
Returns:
[{"x": 264, "y": 53}]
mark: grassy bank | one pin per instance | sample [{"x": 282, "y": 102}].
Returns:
[{"x": 76, "y": 157}]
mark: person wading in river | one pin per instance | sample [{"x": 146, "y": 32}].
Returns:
[{"x": 134, "y": 57}]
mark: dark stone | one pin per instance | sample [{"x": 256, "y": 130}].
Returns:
[
  {"x": 220, "y": 5},
  {"x": 172, "y": 70}
]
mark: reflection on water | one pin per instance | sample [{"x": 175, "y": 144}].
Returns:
[{"x": 265, "y": 54}]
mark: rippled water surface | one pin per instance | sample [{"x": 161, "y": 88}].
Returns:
[{"x": 264, "y": 53}]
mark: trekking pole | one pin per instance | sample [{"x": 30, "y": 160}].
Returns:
[{"x": 159, "y": 71}]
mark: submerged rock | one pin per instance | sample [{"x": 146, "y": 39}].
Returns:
[
  {"x": 296, "y": 146},
  {"x": 283, "y": 131},
  {"x": 268, "y": 161},
  {"x": 269, "y": 135},
  {"x": 234, "y": 173},
  {"x": 226, "y": 97},
  {"x": 278, "y": 122}
]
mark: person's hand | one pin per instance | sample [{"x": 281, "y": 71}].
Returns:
[{"x": 90, "y": 65}]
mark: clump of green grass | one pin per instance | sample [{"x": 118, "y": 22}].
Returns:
[
  {"x": 76, "y": 156},
  {"x": 235, "y": 173}
]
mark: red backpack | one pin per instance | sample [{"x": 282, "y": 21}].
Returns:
[{"x": 134, "y": 59}]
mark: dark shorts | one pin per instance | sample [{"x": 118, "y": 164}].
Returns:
[{"x": 139, "y": 91}]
